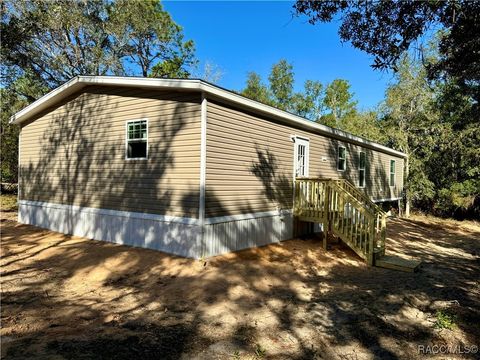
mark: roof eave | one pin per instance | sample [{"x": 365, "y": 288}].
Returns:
[{"x": 78, "y": 82}]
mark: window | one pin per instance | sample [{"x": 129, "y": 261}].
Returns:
[
  {"x": 137, "y": 139},
  {"x": 361, "y": 169},
  {"x": 342, "y": 158},
  {"x": 392, "y": 172}
]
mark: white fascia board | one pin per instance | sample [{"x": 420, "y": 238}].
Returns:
[
  {"x": 79, "y": 82},
  {"x": 47, "y": 100},
  {"x": 295, "y": 119},
  {"x": 194, "y": 85}
]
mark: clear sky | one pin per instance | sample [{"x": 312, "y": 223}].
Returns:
[{"x": 251, "y": 36}]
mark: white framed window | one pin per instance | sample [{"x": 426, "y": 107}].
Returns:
[
  {"x": 136, "y": 140},
  {"x": 362, "y": 163},
  {"x": 342, "y": 158},
  {"x": 392, "y": 172}
]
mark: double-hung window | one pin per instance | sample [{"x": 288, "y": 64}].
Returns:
[
  {"x": 362, "y": 160},
  {"x": 137, "y": 139},
  {"x": 342, "y": 158},
  {"x": 392, "y": 172}
]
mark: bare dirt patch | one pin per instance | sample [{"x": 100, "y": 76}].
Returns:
[{"x": 66, "y": 297}]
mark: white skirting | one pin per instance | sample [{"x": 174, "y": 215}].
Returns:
[
  {"x": 233, "y": 235},
  {"x": 174, "y": 235}
]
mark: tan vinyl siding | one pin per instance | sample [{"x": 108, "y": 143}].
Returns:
[
  {"x": 250, "y": 163},
  {"x": 74, "y": 153}
]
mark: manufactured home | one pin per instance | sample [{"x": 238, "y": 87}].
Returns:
[{"x": 189, "y": 168}]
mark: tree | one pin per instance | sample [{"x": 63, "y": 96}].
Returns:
[
  {"x": 10, "y": 103},
  {"x": 332, "y": 105},
  {"x": 281, "y": 81},
  {"x": 366, "y": 124},
  {"x": 339, "y": 104},
  {"x": 255, "y": 89},
  {"x": 210, "y": 72},
  {"x": 56, "y": 40},
  {"x": 386, "y": 29},
  {"x": 411, "y": 124},
  {"x": 146, "y": 36},
  {"x": 310, "y": 103},
  {"x": 454, "y": 166}
]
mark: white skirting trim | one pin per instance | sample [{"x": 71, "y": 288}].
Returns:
[
  {"x": 233, "y": 235},
  {"x": 229, "y": 218},
  {"x": 135, "y": 229},
  {"x": 173, "y": 235},
  {"x": 126, "y": 214}
]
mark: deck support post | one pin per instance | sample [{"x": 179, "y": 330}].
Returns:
[
  {"x": 327, "y": 224},
  {"x": 371, "y": 242},
  {"x": 324, "y": 237}
]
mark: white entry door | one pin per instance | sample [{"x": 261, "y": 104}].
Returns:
[{"x": 302, "y": 156}]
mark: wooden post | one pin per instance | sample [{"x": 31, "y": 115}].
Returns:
[
  {"x": 327, "y": 222},
  {"x": 370, "y": 252}
]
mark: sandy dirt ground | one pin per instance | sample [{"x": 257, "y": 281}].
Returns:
[{"x": 66, "y": 297}]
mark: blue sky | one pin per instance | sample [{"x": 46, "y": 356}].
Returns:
[{"x": 251, "y": 36}]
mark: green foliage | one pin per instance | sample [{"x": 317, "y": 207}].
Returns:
[
  {"x": 388, "y": 29},
  {"x": 10, "y": 103},
  {"x": 434, "y": 123},
  {"x": 445, "y": 320},
  {"x": 310, "y": 103},
  {"x": 281, "y": 81},
  {"x": 459, "y": 197},
  {"x": 411, "y": 125},
  {"x": 53, "y": 41},
  {"x": 365, "y": 124},
  {"x": 147, "y": 36},
  {"x": 256, "y": 90},
  {"x": 341, "y": 108},
  {"x": 332, "y": 105}
]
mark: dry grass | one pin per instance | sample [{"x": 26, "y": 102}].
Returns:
[
  {"x": 8, "y": 202},
  {"x": 66, "y": 297}
]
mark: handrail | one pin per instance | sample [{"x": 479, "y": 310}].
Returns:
[
  {"x": 357, "y": 193},
  {"x": 349, "y": 187},
  {"x": 345, "y": 211}
]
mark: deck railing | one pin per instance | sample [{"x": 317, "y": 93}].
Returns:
[{"x": 344, "y": 211}]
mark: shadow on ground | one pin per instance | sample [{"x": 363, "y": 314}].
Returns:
[{"x": 69, "y": 297}]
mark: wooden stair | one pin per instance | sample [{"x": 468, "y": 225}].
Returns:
[
  {"x": 347, "y": 213},
  {"x": 397, "y": 263}
]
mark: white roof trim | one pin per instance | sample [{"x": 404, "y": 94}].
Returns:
[{"x": 79, "y": 82}]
